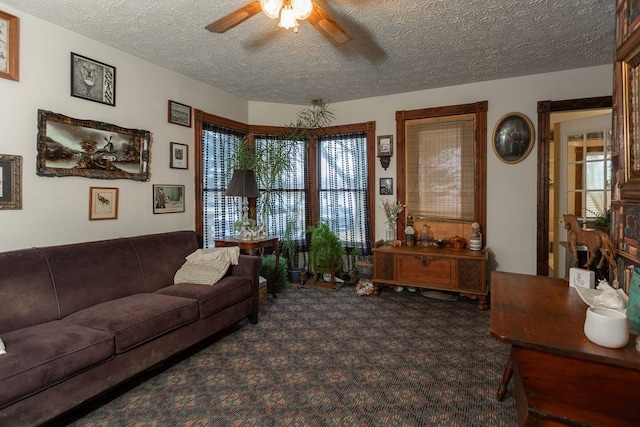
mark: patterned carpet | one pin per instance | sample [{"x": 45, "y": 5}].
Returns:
[{"x": 331, "y": 358}]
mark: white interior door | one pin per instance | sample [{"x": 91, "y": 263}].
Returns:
[{"x": 584, "y": 179}]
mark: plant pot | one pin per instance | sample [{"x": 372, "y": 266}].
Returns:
[{"x": 294, "y": 275}]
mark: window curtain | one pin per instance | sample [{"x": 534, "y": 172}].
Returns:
[
  {"x": 342, "y": 185},
  {"x": 220, "y": 211},
  {"x": 287, "y": 199}
]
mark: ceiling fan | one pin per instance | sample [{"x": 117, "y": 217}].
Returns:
[{"x": 289, "y": 12}]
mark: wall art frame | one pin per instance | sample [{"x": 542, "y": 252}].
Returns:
[
  {"x": 513, "y": 138},
  {"x": 179, "y": 114},
  {"x": 9, "y": 46},
  {"x": 168, "y": 198},
  {"x": 179, "y": 156},
  {"x": 93, "y": 80},
  {"x": 385, "y": 150},
  {"x": 103, "y": 203},
  {"x": 75, "y": 147},
  {"x": 386, "y": 186},
  {"x": 385, "y": 145},
  {"x": 10, "y": 182}
]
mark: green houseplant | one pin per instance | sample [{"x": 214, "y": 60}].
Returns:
[
  {"x": 289, "y": 250},
  {"x": 268, "y": 268},
  {"x": 277, "y": 155},
  {"x": 326, "y": 251}
]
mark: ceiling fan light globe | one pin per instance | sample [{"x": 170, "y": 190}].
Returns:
[
  {"x": 271, "y": 8},
  {"x": 302, "y": 8},
  {"x": 287, "y": 18}
]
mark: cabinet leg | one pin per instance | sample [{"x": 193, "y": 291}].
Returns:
[
  {"x": 506, "y": 377},
  {"x": 482, "y": 303}
]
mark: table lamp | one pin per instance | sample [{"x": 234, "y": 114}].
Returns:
[{"x": 243, "y": 184}]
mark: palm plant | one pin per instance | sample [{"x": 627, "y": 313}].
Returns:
[{"x": 278, "y": 156}]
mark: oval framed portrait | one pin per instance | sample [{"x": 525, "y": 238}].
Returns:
[{"x": 513, "y": 137}]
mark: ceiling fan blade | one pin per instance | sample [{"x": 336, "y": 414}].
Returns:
[
  {"x": 234, "y": 18},
  {"x": 327, "y": 26}
]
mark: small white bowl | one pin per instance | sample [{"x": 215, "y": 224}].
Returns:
[{"x": 606, "y": 327}]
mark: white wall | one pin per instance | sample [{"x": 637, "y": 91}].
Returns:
[
  {"x": 511, "y": 188},
  {"x": 55, "y": 210}
]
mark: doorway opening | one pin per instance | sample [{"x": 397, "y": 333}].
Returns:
[{"x": 593, "y": 106}]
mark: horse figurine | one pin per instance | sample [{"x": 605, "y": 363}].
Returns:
[{"x": 594, "y": 240}]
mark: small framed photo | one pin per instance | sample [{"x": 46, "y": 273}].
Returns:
[
  {"x": 93, "y": 80},
  {"x": 168, "y": 198},
  {"x": 10, "y": 182},
  {"x": 103, "y": 203},
  {"x": 179, "y": 156},
  {"x": 179, "y": 114},
  {"x": 386, "y": 186},
  {"x": 513, "y": 137},
  {"x": 385, "y": 145},
  {"x": 9, "y": 46}
]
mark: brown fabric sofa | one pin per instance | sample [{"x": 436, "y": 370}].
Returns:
[{"x": 80, "y": 319}]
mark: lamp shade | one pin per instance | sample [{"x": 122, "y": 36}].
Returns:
[{"x": 243, "y": 184}]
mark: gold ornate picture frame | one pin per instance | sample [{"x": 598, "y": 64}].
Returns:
[
  {"x": 513, "y": 137},
  {"x": 91, "y": 149}
]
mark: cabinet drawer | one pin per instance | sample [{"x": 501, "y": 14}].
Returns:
[{"x": 421, "y": 269}]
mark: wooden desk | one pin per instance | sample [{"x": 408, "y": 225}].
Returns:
[
  {"x": 561, "y": 378},
  {"x": 251, "y": 247}
]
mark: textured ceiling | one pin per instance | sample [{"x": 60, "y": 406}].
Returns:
[{"x": 398, "y": 45}]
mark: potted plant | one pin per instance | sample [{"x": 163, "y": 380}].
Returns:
[
  {"x": 268, "y": 270},
  {"x": 277, "y": 156},
  {"x": 289, "y": 251},
  {"x": 325, "y": 251}
]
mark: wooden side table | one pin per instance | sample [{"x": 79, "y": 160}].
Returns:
[{"x": 252, "y": 247}]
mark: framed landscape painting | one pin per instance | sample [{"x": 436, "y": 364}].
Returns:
[{"x": 91, "y": 149}]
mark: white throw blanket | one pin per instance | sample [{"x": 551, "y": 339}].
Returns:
[{"x": 207, "y": 266}]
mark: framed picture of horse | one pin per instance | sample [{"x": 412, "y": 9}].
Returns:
[{"x": 103, "y": 203}]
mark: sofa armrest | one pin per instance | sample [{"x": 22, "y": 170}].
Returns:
[{"x": 249, "y": 266}]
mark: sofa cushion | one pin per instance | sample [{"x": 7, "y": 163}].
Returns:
[
  {"x": 137, "y": 318},
  {"x": 87, "y": 274},
  {"x": 26, "y": 290},
  {"x": 212, "y": 299},
  {"x": 161, "y": 255},
  {"x": 43, "y": 355}
]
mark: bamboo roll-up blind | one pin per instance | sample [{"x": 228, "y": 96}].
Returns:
[{"x": 440, "y": 168}]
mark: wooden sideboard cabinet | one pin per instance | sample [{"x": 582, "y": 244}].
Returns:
[{"x": 462, "y": 271}]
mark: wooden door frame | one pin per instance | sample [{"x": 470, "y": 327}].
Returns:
[{"x": 545, "y": 108}]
